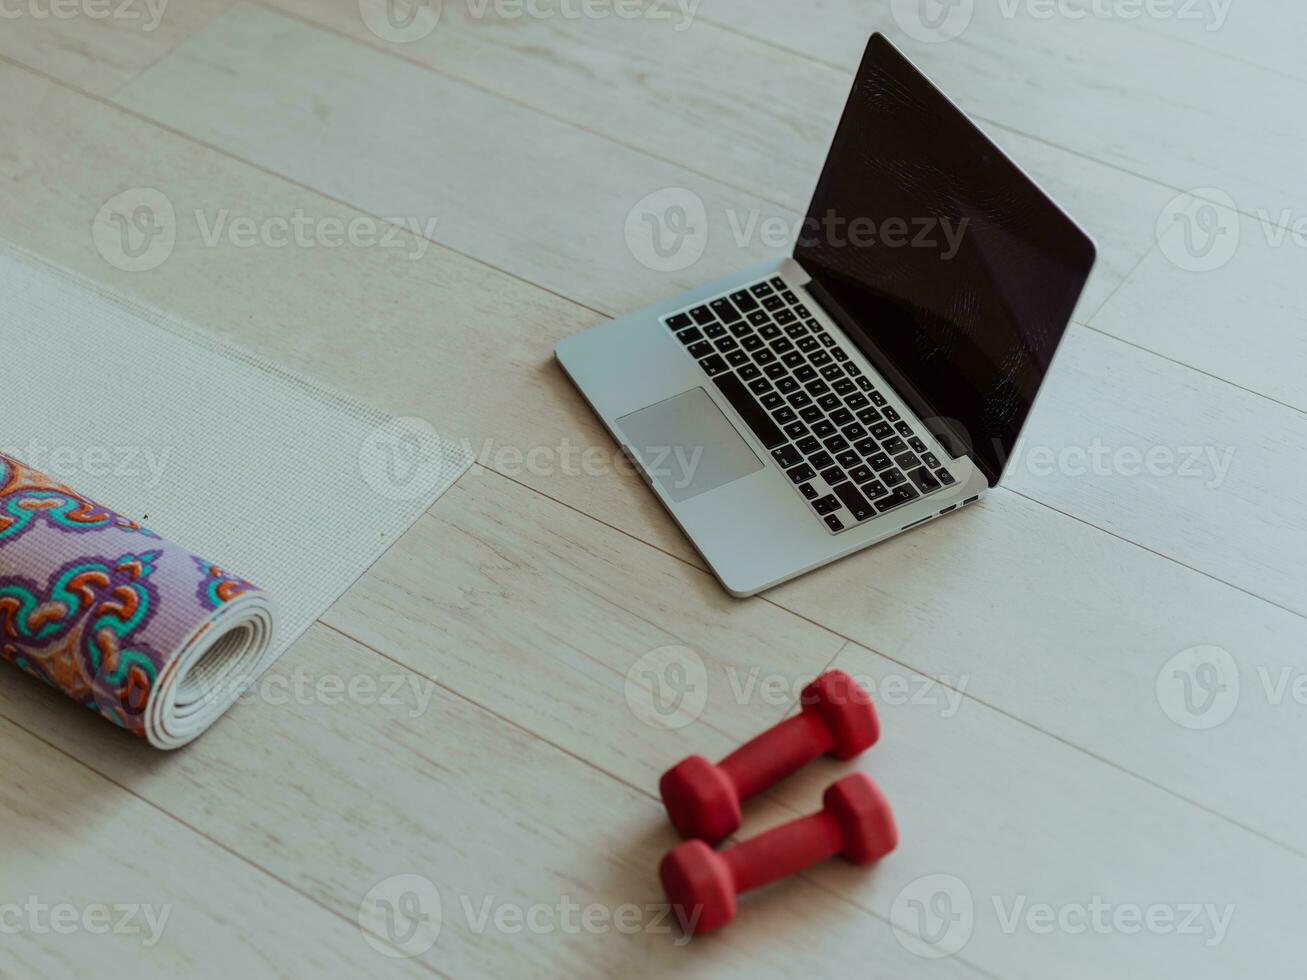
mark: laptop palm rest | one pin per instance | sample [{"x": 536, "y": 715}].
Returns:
[{"x": 688, "y": 445}]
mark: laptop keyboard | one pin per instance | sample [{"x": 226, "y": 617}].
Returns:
[{"x": 843, "y": 446}]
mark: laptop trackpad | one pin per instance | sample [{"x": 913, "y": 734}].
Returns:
[{"x": 688, "y": 445}]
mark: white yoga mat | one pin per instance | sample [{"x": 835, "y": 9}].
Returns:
[{"x": 294, "y": 487}]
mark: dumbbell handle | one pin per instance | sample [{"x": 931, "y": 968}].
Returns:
[
  {"x": 784, "y": 850},
  {"x": 776, "y": 753}
]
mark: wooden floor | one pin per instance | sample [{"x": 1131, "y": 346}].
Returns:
[{"x": 1068, "y": 806}]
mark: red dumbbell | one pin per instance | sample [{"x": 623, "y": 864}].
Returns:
[
  {"x": 703, "y": 800},
  {"x": 701, "y": 884}
]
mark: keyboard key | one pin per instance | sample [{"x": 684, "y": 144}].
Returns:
[
  {"x": 784, "y": 415},
  {"x": 808, "y": 491},
  {"x": 827, "y": 340},
  {"x": 767, "y": 431},
  {"x": 874, "y": 490},
  {"x": 759, "y": 318},
  {"x": 769, "y": 332},
  {"x": 877, "y": 399},
  {"x": 782, "y": 346},
  {"x": 811, "y": 414},
  {"x": 848, "y": 459},
  {"x": 924, "y": 479},
  {"x": 753, "y": 342},
  {"x": 882, "y": 430},
  {"x": 814, "y": 326},
  {"x": 865, "y": 447},
  {"x": 750, "y": 371},
  {"x": 904, "y": 429},
  {"x": 853, "y": 432},
  {"x": 821, "y": 460},
  {"x": 808, "y": 344},
  {"x": 760, "y": 386},
  {"x": 839, "y": 355},
  {"x": 809, "y": 445},
  {"x": 702, "y": 315},
  {"x": 725, "y": 311},
  {"x": 775, "y": 371},
  {"x": 786, "y": 385},
  {"x": 678, "y": 321},
  {"x": 866, "y": 385},
  {"x": 763, "y": 356},
  {"x": 772, "y": 400},
  {"x": 854, "y": 501},
  {"x": 880, "y": 461},
  {"x": 826, "y": 504},
  {"x": 783, "y": 317},
  {"x": 741, "y": 329},
  {"x": 794, "y": 359},
  {"x": 819, "y": 358},
  {"x": 841, "y": 416},
  {"x": 894, "y": 445},
  {"x": 833, "y": 522},
  {"x": 868, "y": 416},
  {"x": 831, "y": 372},
  {"x": 690, "y": 336},
  {"x": 772, "y": 303},
  {"x": 836, "y": 444},
  {"x": 744, "y": 301},
  {"x": 892, "y": 477},
  {"x": 944, "y": 477},
  {"x": 738, "y": 358},
  {"x": 702, "y": 349},
  {"x": 796, "y": 430},
  {"x": 917, "y": 445},
  {"x": 817, "y": 387},
  {"x": 892, "y": 415},
  {"x": 789, "y": 297},
  {"x": 907, "y": 461},
  {"x": 844, "y": 386},
  {"x": 833, "y": 475},
  {"x": 777, "y": 283},
  {"x": 801, "y": 473},
  {"x": 829, "y": 402},
  {"x": 799, "y": 399},
  {"x": 786, "y": 456},
  {"x": 895, "y": 497},
  {"x": 760, "y": 290},
  {"x": 714, "y": 330},
  {"x": 805, "y": 372},
  {"x": 796, "y": 330},
  {"x": 802, "y": 310},
  {"x": 714, "y": 364},
  {"x": 823, "y": 429},
  {"x": 852, "y": 368},
  {"x": 858, "y": 400},
  {"x": 931, "y": 460}
]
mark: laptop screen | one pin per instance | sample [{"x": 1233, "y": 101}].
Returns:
[{"x": 953, "y": 272}]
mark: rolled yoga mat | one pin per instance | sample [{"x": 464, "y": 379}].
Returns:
[{"x": 127, "y": 624}]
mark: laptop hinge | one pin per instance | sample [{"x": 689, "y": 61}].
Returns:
[{"x": 952, "y": 435}]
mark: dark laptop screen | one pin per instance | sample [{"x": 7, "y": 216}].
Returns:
[{"x": 953, "y": 272}]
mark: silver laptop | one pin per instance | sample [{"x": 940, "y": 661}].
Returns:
[{"x": 874, "y": 380}]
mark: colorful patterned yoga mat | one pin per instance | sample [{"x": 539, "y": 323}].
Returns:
[{"x": 138, "y": 630}]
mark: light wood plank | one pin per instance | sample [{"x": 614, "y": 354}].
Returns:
[
  {"x": 1152, "y": 104},
  {"x": 1194, "y": 469},
  {"x": 79, "y": 842},
  {"x": 1241, "y": 320},
  {"x": 333, "y": 794},
  {"x": 98, "y": 46},
  {"x": 522, "y": 170}
]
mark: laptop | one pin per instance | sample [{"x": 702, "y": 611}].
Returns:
[{"x": 875, "y": 379}]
